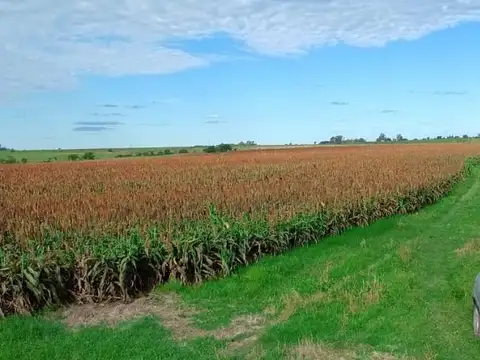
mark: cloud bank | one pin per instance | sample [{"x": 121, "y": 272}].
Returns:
[{"x": 48, "y": 44}]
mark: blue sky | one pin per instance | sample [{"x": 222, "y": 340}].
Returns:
[{"x": 95, "y": 74}]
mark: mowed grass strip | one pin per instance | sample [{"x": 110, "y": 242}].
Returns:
[{"x": 398, "y": 289}]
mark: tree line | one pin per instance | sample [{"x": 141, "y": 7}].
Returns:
[{"x": 382, "y": 138}]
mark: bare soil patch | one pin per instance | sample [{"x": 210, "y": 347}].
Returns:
[
  {"x": 172, "y": 314},
  {"x": 308, "y": 350},
  {"x": 167, "y": 307},
  {"x": 471, "y": 247}
]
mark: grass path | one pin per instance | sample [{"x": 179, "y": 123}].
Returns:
[{"x": 400, "y": 288}]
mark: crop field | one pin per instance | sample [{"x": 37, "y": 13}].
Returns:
[{"x": 108, "y": 229}]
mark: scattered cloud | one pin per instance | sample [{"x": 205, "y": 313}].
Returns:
[
  {"x": 339, "y": 103},
  {"x": 99, "y": 123},
  {"x": 389, "y": 111},
  {"x": 450, "y": 93},
  {"x": 91, "y": 128},
  {"x": 215, "y": 122},
  {"x": 135, "y": 106},
  {"x": 154, "y": 124},
  {"x": 96, "y": 126},
  {"x": 214, "y": 119},
  {"x": 109, "y": 106},
  {"x": 112, "y": 38},
  {"x": 107, "y": 114}
]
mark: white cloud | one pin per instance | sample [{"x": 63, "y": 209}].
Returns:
[{"x": 47, "y": 44}]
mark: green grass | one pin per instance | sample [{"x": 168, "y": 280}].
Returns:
[
  {"x": 35, "y": 156},
  {"x": 397, "y": 286}
]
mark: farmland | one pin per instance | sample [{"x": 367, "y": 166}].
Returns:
[
  {"x": 106, "y": 230},
  {"x": 398, "y": 289},
  {"x": 111, "y": 197},
  {"x": 101, "y": 231}
]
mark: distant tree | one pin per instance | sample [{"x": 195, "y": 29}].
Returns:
[
  {"x": 338, "y": 139},
  {"x": 24, "y": 160},
  {"x": 183, "y": 151},
  {"x": 439, "y": 137},
  {"x": 381, "y": 137},
  {"x": 247, "y": 143},
  {"x": 3, "y": 148},
  {"x": 210, "y": 149},
  {"x": 89, "y": 155},
  {"x": 73, "y": 157},
  {"x": 465, "y": 136},
  {"x": 167, "y": 152},
  {"x": 224, "y": 147},
  {"x": 10, "y": 160},
  {"x": 218, "y": 148},
  {"x": 399, "y": 137},
  {"x": 110, "y": 150}
]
